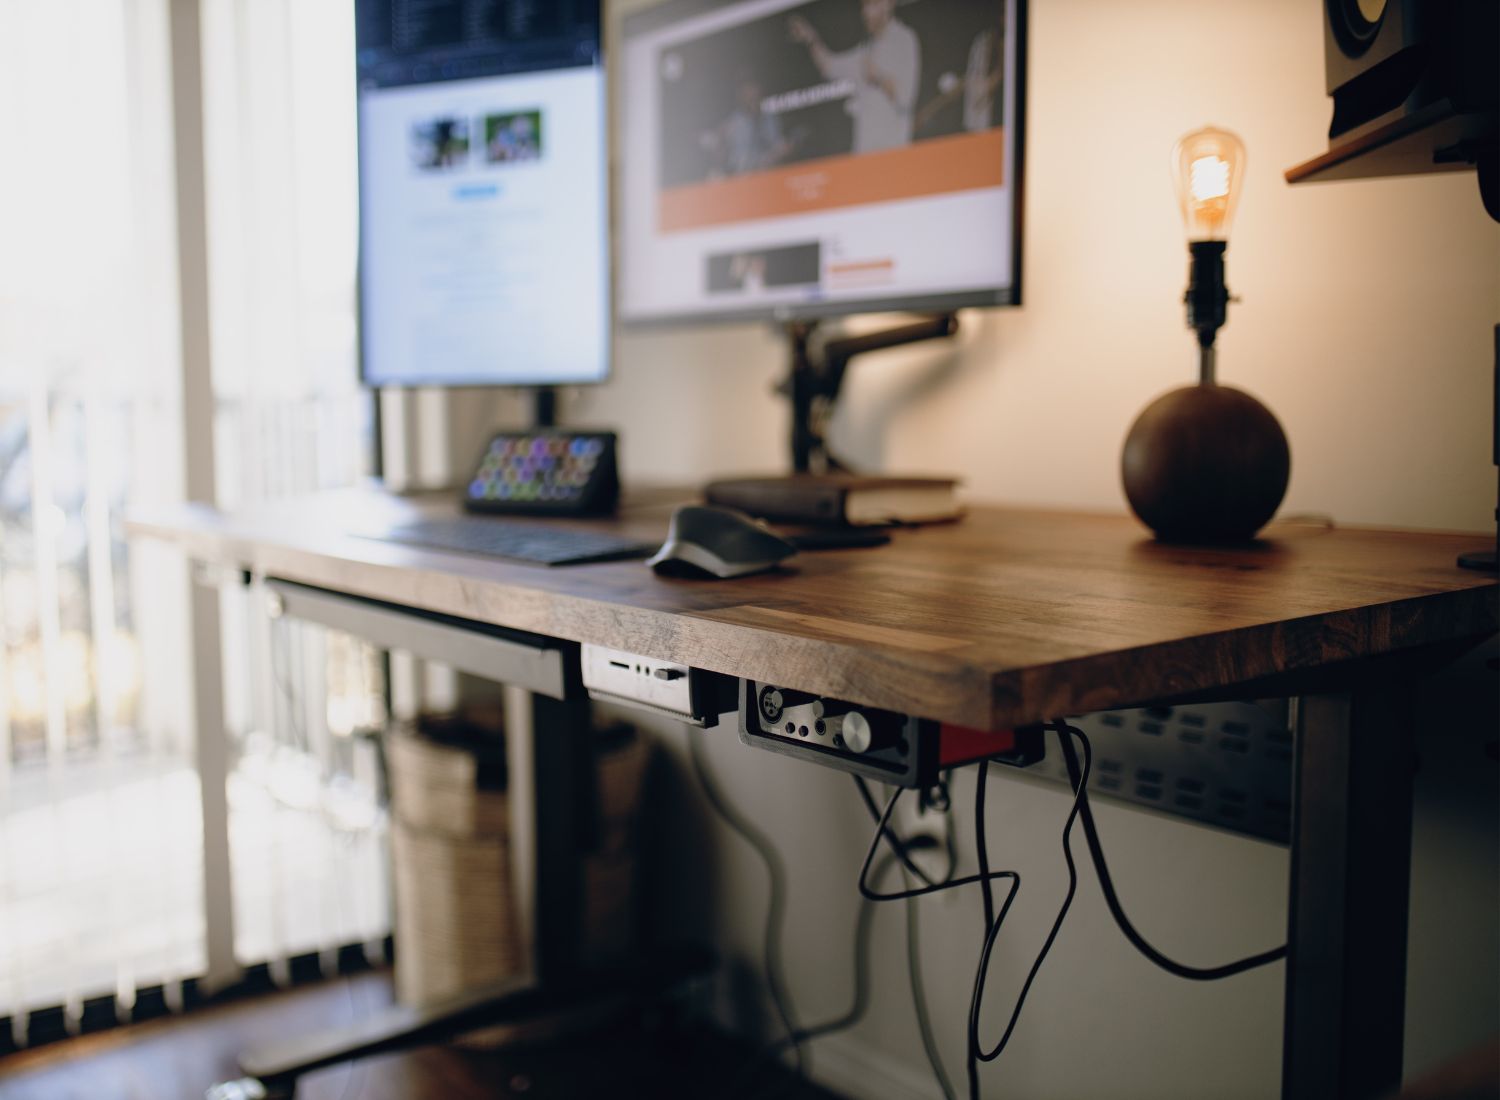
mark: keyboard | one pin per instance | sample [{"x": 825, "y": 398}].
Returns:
[{"x": 536, "y": 543}]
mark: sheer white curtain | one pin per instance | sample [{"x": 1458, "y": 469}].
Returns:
[
  {"x": 283, "y": 224},
  {"x": 307, "y": 830},
  {"x": 100, "y": 839}
]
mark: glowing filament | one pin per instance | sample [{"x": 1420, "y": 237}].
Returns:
[{"x": 1210, "y": 177}]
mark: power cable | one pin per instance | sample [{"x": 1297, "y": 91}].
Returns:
[
  {"x": 919, "y": 994},
  {"x": 901, "y": 848},
  {"x": 913, "y": 949},
  {"x": 860, "y": 1000},
  {"x": 776, "y": 902}
]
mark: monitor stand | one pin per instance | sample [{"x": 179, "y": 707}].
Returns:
[
  {"x": 544, "y": 407},
  {"x": 817, "y": 375}
]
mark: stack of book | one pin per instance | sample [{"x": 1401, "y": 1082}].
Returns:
[{"x": 852, "y": 500}]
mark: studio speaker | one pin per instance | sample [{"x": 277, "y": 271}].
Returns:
[{"x": 1389, "y": 59}]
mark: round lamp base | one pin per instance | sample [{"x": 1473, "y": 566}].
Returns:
[{"x": 1205, "y": 464}]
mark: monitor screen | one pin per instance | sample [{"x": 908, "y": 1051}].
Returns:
[
  {"x": 483, "y": 192},
  {"x": 797, "y": 158}
]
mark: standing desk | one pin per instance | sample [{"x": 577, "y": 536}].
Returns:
[{"x": 1008, "y": 618}]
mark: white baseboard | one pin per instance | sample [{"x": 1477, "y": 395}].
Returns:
[{"x": 863, "y": 1072}]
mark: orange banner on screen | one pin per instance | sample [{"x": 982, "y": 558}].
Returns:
[{"x": 964, "y": 162}]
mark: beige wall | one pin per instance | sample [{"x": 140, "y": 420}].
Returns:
[{"x": 1365, "y": 322}]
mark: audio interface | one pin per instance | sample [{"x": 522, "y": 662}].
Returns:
[{"x": 879, "y": 744}]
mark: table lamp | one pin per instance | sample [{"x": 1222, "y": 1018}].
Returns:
[{"x": 1206, "y": 463}]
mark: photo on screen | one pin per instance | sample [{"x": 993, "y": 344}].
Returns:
[
  {"x": 828, "y": 78},
  {"x": 746, "y": 271},
  {"x": 513, "y": 137},
  {"x": 440, "y": 143}
]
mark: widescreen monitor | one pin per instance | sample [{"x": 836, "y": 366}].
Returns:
[
  {"x": 483, "y": 187},
  {"x": 798, "y": 158}
]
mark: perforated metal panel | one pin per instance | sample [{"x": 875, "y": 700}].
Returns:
[{"x": 1225, "y": 764}]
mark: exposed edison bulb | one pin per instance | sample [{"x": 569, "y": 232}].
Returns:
[{"x": 1208, "y": 165}]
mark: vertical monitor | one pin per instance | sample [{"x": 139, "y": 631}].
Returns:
[
  {"x": 483, "y": 188},
  {"x": 795, "y": 158}
]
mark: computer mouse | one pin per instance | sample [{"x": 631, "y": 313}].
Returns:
[{"x": 721, "y": 542}]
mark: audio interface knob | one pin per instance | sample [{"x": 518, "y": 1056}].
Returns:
[{"x": 862, "y": 735}]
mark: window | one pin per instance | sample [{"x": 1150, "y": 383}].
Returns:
[{"x": 100, "y": 851}]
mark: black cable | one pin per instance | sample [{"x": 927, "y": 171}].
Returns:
[
  {"x": 882, "y": 830},
  {"x": 1096, "y": 853},
  {"x": 981, "y": 845},
  {"x": 982, "y": 854},
  {"x": 1078, "y": 777},
  {"x": 775, "y": 903},
  {"x": 865, "y": 891},
  {"x": 897, "y": 845},
  {"x": 976, "y": 1047}
]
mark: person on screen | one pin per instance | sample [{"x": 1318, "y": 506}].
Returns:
[
  {"x": 752, "y": 137},
  {"x": 978, "y": 88},
  {"x": 883, "y": 69},
  {"x": 747, "y": 272},
  {"x": 982, "y": 81}
]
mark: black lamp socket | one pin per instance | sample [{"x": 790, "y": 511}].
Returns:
[{"x": 1207, "y": 297}]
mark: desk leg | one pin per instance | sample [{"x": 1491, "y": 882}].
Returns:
[
  {"x": 563, "y": 795},
  {"x": 1351, "y": 878}
]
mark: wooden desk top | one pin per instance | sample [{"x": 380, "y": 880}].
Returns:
[{"x": 1010, "y": 616}]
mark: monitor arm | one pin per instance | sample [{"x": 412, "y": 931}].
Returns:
[{"x": 816, "y": 378}]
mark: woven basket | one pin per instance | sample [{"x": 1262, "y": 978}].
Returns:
[{"x": 456, "y": 922}]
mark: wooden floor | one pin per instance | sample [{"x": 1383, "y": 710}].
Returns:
[{"x": 178, "y": 1058}]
